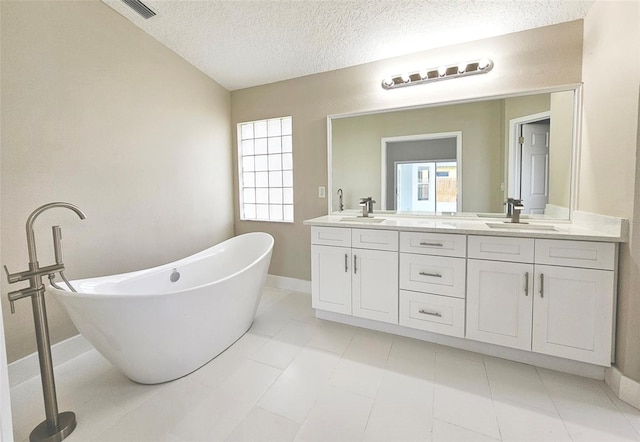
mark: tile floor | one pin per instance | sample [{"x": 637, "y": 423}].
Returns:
[{"x": 294, "y": 377}]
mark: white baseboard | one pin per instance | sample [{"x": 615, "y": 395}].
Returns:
[
  {"x": 625, "y": 388},
  {"x": 29, "y": 366},
  {"x": 286, "y": 283}
]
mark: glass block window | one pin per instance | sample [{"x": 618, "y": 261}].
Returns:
[{"x": 265, "y": 163}]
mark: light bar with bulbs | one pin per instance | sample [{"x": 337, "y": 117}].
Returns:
[{"x": 444, "y": 72}]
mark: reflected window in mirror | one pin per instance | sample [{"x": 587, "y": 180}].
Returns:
[{"x": 429, "y": 186}]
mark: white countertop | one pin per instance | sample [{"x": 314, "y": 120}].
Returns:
[{"x": 585, "y": 227}]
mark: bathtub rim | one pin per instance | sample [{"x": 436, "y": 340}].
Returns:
[{"x": 65, "y": 292}]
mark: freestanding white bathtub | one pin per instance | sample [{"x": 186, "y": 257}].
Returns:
[{"x": 156, "y": 330}]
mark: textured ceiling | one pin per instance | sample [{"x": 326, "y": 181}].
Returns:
[{"x": 244, "y": 43}]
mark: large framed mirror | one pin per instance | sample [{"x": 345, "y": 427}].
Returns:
[{"x": 463, "y": 157}]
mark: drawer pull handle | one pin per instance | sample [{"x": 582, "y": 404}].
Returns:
[
  {"x": 433, "y": 275},
  {"x": 355, "y": 264},
  {"x": 432, "y": 244},
  {"x": 526, "y": 284},
  {"x": 346, "y": 262},
  {"x": 542, "y": 285},
  {"x": 427, "y": 312}
]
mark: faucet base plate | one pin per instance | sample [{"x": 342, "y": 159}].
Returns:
[{"x": 66, "y": 425}]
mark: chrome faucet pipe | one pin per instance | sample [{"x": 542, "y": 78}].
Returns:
[
  {"x": 340, "y": 205},
  {"x": 31, "y": 242},
  {"x": 57, "y": 426}
]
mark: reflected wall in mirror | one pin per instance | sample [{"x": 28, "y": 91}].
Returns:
[{"x": 460, "y": 157}]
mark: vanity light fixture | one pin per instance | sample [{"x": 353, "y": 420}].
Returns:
[{"x": 444, "y": 72}]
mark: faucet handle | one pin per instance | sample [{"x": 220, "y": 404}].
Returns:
[
  {"x": 19, "y": 294},
  {"x": 12, "y": 278}
]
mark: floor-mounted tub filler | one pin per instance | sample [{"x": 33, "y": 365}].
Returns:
[{"x": 160, "y": 324}]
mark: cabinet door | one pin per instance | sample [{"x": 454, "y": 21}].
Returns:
[
  {"x": 499, "y": 302},
  {"x": 573, "y": 313},
  {"x": 331, "y": 278},
  {"x": 375, "y": 285}
]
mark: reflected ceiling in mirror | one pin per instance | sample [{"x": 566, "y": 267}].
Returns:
[{"x": 459, "y": 157}]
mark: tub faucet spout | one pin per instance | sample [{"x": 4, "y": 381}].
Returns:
[{"x": 31, "y": 242}]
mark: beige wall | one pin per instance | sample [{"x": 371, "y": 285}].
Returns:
[
  {"x": 561, "y": 142},
  {"x": 98, "y": 113},
  {"x": 609, "y": 171},
  {"x": 534, "y": 59},
  {"x": 356, "y": 150}
]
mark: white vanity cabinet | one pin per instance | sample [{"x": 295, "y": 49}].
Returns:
[
  {"x": 531, "y": 293},
  {"x": 357, "y": 274},
  {"x": 499, "y": 287},
  {"x": 432, "y": 282},
  {"x": 564, "y": 309},
  {"x": 574, "y": 297},
  {"x": 331, "y": 269}
]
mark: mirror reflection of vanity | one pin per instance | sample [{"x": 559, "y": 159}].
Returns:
[{"x": 461, "y": 157}]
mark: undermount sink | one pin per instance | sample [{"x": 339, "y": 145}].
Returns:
[
  {"x": 361, "y": 219},
  {"x": 521, "y": 226}
]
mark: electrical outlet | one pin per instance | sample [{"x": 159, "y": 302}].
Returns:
[{"x": 322, "y": 192}]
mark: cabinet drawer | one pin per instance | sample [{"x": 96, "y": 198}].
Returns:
[
  {"x": 441, "y": 244},
  {"x": 438, "y": 314},
  {"x": 585, "y": 254},
  {"x": 499, "y": 248},
  {"x": 433, "y": 274},
  {"x": 331, "y": 236},
  {"x": 374, "y": 239}
]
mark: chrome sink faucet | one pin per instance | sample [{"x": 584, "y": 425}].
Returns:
[
  {"x": 340, "y": 205},
  {"x": 367, "y": 206},
  {"x": 514, "y": 207}
]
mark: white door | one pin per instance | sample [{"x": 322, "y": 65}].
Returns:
[
  {"x": 499, "y": 302},
  {"x": 331, "y": 278},
  {"x": 375, "y": 285},
  {"x": 573, "y": 313},
  {"x": 534, "y": 184}
]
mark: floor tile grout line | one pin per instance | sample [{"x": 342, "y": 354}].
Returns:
[
  {"x": 555, "y": 406},
  {"x": 374, "y": 399},
  {"x": 493, "y": 404},
  {"x": 609, "y": 393}
]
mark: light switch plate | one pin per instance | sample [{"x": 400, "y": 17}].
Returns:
[{"x": 322, "y": 192}]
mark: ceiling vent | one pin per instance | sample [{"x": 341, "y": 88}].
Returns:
[{"x": 143, "y": 10}]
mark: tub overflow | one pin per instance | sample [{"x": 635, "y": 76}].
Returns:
[{"x": 175, "y": 275}]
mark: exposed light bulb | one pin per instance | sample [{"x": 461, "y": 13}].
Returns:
[{"x": 443, "y": 72}]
